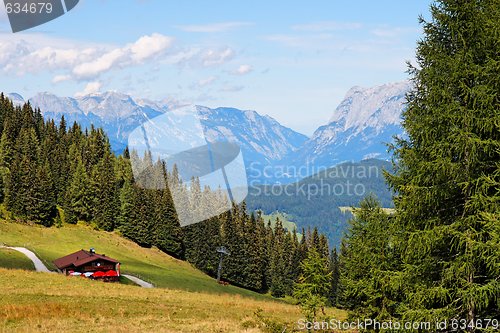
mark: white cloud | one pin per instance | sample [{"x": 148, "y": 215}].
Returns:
[
  {"x": 242, "y": 70},
  {"x": 22, "y": 57},
  {"x": 300, "y": 41},
  {"x": 206, "y": 82},
  {"x": 196, "y": 57},
  {"x": 214, "y": 27},
  {"x": 143, "y": 49},
  {"x": 327, "y": 26},
  {"x": 90, "y": 88},
  {"x": 100, "y": 65},
  {"x": 391, "y": 32},
  {"x": 35, "y": 53},
  {"x": 203, "y": 83},
  {"x": 149, "y": 46},
  {"x": 61, "y": 78},
  {"x": 231, "y": 88},
  {"x": 215, "y": 57}
]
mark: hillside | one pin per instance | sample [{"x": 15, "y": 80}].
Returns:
[
  {"x": 52, "y": 303},
  {"x": 150, "y": 264},
  {"x": 316, "y": 201},
  {"x": 13, "y": 259}
]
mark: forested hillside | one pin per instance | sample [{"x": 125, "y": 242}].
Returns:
[
  {"x": 54, "y": 174},
  {"x": 315, "y": 200}
]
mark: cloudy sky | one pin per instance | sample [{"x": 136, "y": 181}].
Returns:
[{"x": 292, "y": 60}]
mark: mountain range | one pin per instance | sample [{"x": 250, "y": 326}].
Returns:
[
  {"x": 364, "y": 121},
  {"x": 360, "y": 128}
]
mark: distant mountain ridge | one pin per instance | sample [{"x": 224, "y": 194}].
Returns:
[
  {"x": 359, "y": 128},
  {"x": 262, "y": 139}
]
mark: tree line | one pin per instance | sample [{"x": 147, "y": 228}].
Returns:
[{"x": 52, "y": 174}]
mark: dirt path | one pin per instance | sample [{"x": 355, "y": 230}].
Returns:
[
  {"x": 140, "y": 282},
  {"x": 39, "y": 265}
]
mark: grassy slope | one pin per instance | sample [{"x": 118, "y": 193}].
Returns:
[
  {"x": 345, "y": 209},
  {"x": 40, "y": 302},
  {"x": 150, "y": 264},
  {"x": 13, "y": 259},
  {"x": 289, "y": 225}
]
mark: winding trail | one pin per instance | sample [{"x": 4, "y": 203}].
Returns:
[
  {"x": 140, "y": 282},
  {"x": 39, "y": 265}
]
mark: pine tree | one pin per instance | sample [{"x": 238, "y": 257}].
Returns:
[
  {"x": 167, "y": 233},
  {"x": 142, "y": 220},
  {"x": 278, "y": 263},
  {"x": 314, "y": 283},
  {"x": 126, "y": 213},
  {"x": 335, "y": 270},
  {"x": 42, "y": 203},
  {"x": 448, "y": 180},
  {"x": 105, "y": 203},
  {"x": 22, "y": 183},
  {"x": 370, "y": 264},
  {"x": 254, "y": 245},
  {"x": 79, "y": 197},
  {"x": 7, "y": 150}
]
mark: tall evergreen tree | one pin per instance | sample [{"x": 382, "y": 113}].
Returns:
[
  {"x": 105, "y": 203},
  {"x": 335, "y": 270},
  {"x": 126, "y": 213},
  {"x": 448, "y": 179},
  {"x": 79, "y": 196},
  {"x": 313, "y": 284},
  {"x": 167, "y": 230},
  {"x": 369, "y": 273},
  {"x": 279, "y": 265},
  {"x": 42, "y": 198}
]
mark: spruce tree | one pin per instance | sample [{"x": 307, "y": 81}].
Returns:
[
  {"x": 105, "y": 200},
  {"x": 448, "y": 180},
  {"x": 279, "y": 266},
  {"x": 79, "y": 199},
  {"x": 42, "y": 202},
  {"x": 126, "y": 212},
  {"x": 313, "y": 285},
  {"x": 370, "y": 260},
  {"x": 167, "y": 230},
  {"x": 254, "y": 247},
  {"x": 335, "y": 270}
]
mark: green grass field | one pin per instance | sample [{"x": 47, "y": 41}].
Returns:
[
  {"x": 41, "y": 302},
  {"x": 13, "y": 259},
  {"x": 288, "y": 225},
  {"x": 151, "y": 265},
  {"x": 345, "y": 209},
  {"x": 189, "y": 301}
]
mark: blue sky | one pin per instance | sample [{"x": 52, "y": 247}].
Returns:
[{"x": 292, "y": 60}]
